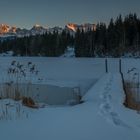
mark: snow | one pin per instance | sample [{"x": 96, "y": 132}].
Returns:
[
  {"x": 10, "y": 109},
  {"x": 101, "y": 116},
  {"x": 7, "y": 54},
  {"x": 70, "y": 52},
  {"x": 63, "y": 72}
]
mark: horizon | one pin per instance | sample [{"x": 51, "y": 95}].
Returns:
[
  {"x": 46, "y": 26},
  {"x": 25, "y": 14}
]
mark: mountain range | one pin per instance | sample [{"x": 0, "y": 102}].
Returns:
[{"x": 6, "y": 30}]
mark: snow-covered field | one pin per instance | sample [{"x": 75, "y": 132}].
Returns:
[{"x": 102, "y": 115}]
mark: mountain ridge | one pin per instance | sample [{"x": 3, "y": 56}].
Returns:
[{"x": 7, "y": 30}]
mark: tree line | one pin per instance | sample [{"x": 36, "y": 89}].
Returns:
[
  {"x": 120, "y": 37},
  {"x": 49, "y": 44}
]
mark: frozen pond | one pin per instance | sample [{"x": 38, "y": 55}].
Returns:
[
  {"x": 49, "y": 94},
  {"x": 59, "y": 80}
]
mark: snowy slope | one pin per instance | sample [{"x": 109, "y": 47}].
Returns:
[{"x": 102, "y": 116}]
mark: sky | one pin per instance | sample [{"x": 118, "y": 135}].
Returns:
[{"x": 50, "y": 13}]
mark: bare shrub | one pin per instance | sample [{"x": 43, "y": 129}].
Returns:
[
  {"x": 29, "y": 102},
  {"x": 130, "y": 100},
  {"x": 19, "y": 74}
]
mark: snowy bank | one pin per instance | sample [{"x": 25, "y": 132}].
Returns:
[{"x": 102, "y": 116}]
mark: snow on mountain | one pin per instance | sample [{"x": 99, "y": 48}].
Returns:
[
  {"x": 85, "y": 27},
  {"x": 22, "y": 32},
  {"x": 55, "y": 29},
  {"x": 6, "y": 30},
  {"x": 72, "y": 27},
  {"x": 38, "y": 30}
]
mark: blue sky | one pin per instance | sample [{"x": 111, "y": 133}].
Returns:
[{"x": 26, "y": 13}]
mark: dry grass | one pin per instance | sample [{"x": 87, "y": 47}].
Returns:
[
  {"x": 29, "y": 102},
  {"x": 130, "y": 101}
]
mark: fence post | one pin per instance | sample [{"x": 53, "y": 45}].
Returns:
[
  {"x": 120, "y": 66},
  {"x": 106, "y": 66},
  {"x": 138, "y": 87},
  {"x": 123, "y": 81}
]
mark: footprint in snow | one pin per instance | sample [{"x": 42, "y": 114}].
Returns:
[
  {"x": 105, "y": 92},
  {"x": 105, "y": 108},
  {"x": 107, "y": 88},
  {"x": 108, "y": 84},
  {"x": 117, "y": 121},
  {"x": 109, "y": 97},
  {"x": 103, "y": 96},
  {"x": 106, "y": 97}
]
